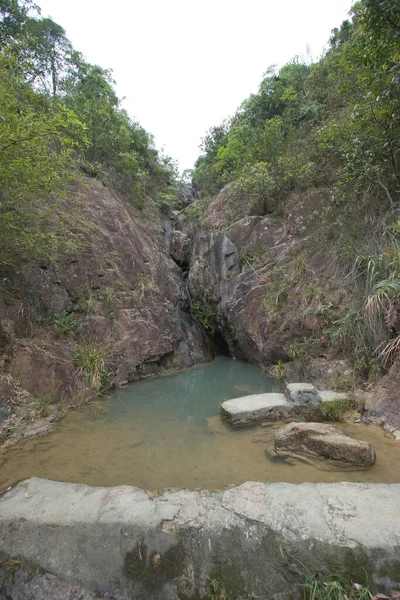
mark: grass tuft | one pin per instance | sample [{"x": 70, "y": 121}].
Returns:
[
  {"x": 89, "y": 359},
  {"x": 331, "y": 588}
]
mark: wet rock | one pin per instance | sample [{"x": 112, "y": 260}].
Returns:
[
  {"x": 184, "y": 194},
  {"x": 5, "y": 412},
  {"x": 250, "y": 410},
  {"x": 381, "y": 405},
  {"x": 38, "y": 429},
  {"x": 327, "y": 441},
  {"x": 302, "y": 393}
]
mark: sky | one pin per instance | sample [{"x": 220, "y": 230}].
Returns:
[{"x": 184, "y": 66}]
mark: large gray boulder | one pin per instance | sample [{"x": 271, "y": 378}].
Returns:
[{"x": 324, "y": 440}]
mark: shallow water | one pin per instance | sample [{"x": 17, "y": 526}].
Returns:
[{"x": 166, "y": 432}]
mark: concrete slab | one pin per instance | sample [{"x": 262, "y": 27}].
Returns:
[
  {"x": 253, "y": 409},
  {"x": 124, "y": 543}
]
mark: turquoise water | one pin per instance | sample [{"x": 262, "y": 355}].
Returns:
[
  {"x": 167, "y": 432},
  {"x": 191, "y": 396}
]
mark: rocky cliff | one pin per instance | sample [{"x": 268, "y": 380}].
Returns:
[
  {"x": 119, "y": 294},
  {"x": 271, "y": 285}
]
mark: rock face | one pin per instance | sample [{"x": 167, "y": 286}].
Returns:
[
  {"x": 120, "y": 290},
  {"x": 324, "y": 440},
  {"x": 241, "y": 261},
  {"x": 123, "y": 543},
  {"x": 180, "y": 247}
]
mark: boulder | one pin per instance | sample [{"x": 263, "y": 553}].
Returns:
[
  {"x": 302, "y": 393},
  {"x": 180, "y": 247},
  {"x": 250, "y": 410},
  {"x": 328, "y": 441}
]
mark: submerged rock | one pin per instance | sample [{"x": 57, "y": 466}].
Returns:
[{"x": 324, "y": 440}]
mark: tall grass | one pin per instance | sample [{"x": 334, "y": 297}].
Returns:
[
  {"x": 89, "y": 359},
  {"x": 370, "y": 327}
]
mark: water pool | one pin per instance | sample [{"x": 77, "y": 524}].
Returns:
[{"x": 166, "y": 432}]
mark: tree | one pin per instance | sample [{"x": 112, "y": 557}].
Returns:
[{"x": 49, "y": 52}]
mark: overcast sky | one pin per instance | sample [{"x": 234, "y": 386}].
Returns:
[{"x": 184, "y": 66}]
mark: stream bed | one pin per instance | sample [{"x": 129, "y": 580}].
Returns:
[{"x": 166, "y": 432}]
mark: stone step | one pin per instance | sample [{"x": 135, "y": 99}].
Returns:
[
  {"x": 332, "y": 396},
  {"x": 299, "y": 399},
  {"x": 253, "y": 409}
]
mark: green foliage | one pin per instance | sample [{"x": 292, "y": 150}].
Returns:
[
  {"x": 345, "y": 107},
  {"x": 64, "y": 322},
  {"x": 59, "y": 115},
  {"x": 277, "y": 370},
  {"x": 38, "y": 142},
  {"x": 301, "y": 350},
  {"x": 89, "y": 359},
  {"x": 203, "y": 315},
  {"x": 334, "y": 124}
]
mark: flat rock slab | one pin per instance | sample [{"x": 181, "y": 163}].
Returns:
[
  {"x": 328, "y": 441},
  {"x": 253, "y": 409},
  {"x": 332, "y": 396},
  {"x": 124, "y": 543}
]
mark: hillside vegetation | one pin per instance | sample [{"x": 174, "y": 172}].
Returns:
[
  {"x": 333, "y": 127},
  {"x": 60, "y": 117}
]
